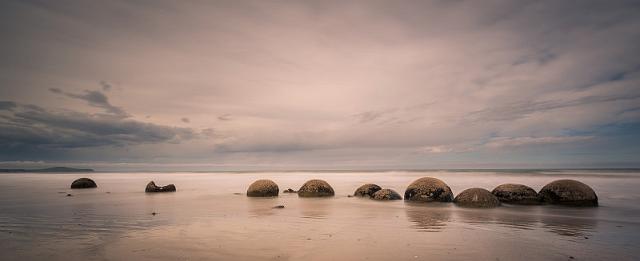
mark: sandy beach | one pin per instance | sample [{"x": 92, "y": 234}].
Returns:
[{"x": 210, "y": 218}]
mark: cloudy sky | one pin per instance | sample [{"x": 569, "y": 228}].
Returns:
[{"x": 215, "y": 85}]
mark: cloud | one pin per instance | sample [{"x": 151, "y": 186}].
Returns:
[
  {"x": 447, "y": 78},
  {"x": 106, "y": 86},
  {"x": 501, "y": 142},
  {"x": 225, "y": 117},
  {"x": 96, "y": 99},
  {"x": 31, "y": 127},
  {"x": 7, "y": 105}
]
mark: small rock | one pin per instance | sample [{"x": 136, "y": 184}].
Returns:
[
  {"x": 69, "y": 195},
  {"x": 279, "y": 206},
  {"x": 154, "y": 213},
  {"x": 289, "y": 190}
]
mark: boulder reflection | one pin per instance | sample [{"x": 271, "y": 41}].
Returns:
[
  {"x": 260, "y": 207},
  {"x": 571, "y": 222},
  {"x": 429, "y": 217}
]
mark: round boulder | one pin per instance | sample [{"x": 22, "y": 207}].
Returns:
[
  {"x": 476, "y": 198},
  {"x": 152, "y": 187},
  {"x": 428, "y": 189},
  {"x": 569, "y": 192},
  {"x": 263, "y": 188},
  {"x": 82, "y": 183},
  {"x": 516, "y": 194},
  {"x": 386, "y": 194},
  {"x": 366, "y": 190},
  {"x": 316, "y": 188}
]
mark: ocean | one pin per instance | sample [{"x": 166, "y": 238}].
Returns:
[{"x": 210, "y": 218}]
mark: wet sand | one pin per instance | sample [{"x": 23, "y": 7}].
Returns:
[{"x": 207, "y": 220}]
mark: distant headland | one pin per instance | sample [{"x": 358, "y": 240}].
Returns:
[{"x": 46, "y": 170}]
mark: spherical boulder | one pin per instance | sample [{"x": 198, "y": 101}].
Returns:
[
  {"x": 516, "y": 194},
  {"x": 152, "y": 187},
  {"x": 263, "y": 188},
  {"x": 568, "y": 192},
  {"x": 366, "y": 190},
  {"x": 428, "y": 189},
  {"x": 386, "y": 194},
  {"x": 316, "y": 188},
  {"x": 476, "y": 198},
  {"x": 82, "y": 183}
]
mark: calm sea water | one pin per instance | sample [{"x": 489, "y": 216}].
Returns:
[{"x": 209, "y": 218}]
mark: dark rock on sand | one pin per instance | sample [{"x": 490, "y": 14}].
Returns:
[
  {"x": 366, "y": 190},
  {"x": 279, "y": 206},
  {"x": 316, "y": 188},
  {"x": 151, "y": 187},
  {"x": 263, "y": 188},
  {"x": 428, "y": 189},
  {"x": 83, "y": 183},
  {"x": 289, "y": 190},
  {"x": 386, "y": 194},
  {"x": 476, "y": 198},
  {"x": 516, "y": 194},
  {"x": 569, "y": 192}
]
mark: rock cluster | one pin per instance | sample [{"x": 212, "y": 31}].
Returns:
[{"x": 151, "y": 187}]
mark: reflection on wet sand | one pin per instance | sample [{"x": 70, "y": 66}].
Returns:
[
  {"x": 517, "y": 219},
  {"x": 581, "y": 223},
  {"x": 431, "y": 217},
  {"x": 260, "y": 207},
  {"x": 578, "y": 224},
  {"x": 314, "y": 208}
]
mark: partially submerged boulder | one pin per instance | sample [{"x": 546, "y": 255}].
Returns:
[
  {"x": 316, "y": 188},
  {"x": 82, "y": 183},
  {"x": 476, "y": 198},
  {"x": 366, "y": 190},
  {"x": 428, "y": 189},
  {"x": 516, "y": 194},
  {"x": 386, "y": 194},
  {"x": 263, "y": 188},
  {"x": 569, "y": 192},
  {"x": 289, "y": 190},
  {"x": 151, "y": 187}
]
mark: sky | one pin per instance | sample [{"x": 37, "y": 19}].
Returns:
[{"x": 248, "y": 85}]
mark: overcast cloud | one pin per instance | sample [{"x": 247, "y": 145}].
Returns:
[{"x": 321, "y": 84}]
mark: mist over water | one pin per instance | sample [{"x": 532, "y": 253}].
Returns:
[{"x": 210, "y": 218}]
